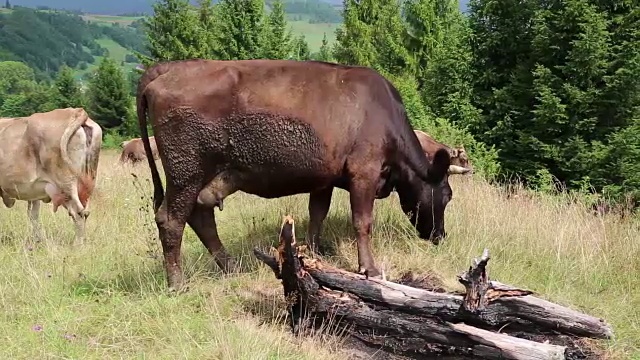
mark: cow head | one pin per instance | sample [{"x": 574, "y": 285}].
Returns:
[
  {"x": 425, "y": 201},
  {"x": 459, "y": 160}
]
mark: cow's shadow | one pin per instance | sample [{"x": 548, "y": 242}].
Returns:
[{"x": 265, "y": 234}]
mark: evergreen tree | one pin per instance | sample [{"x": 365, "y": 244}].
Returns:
[
  {"x": 277, "y": 43},
  {"x": 503, "y": 61},
  {"x": 324, "y": 54},
  {"x": 554, "y": 81},
  {"x": 373, "y": 35},
  {"x": 174, "y": 32},
  {"x": 389, "y": 39},
  {"x": 109, "y": 101},
  {"x": 301, "y": 49},
  {"x": 67, "y": 91},
  {"x": 440, "y": 42},
  {"x": 353, "y": 38},
  {"x": 206, "y": 17},
  {"x": 239, "y": 25}
]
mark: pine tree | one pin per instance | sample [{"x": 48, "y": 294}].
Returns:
[
  {"x": 109, "y": 101},
  {"x": 277, "y": 43},
  {"x": 440, "y": 42},
  {"x": 554, "y": 82},
  {"x": 324, "y": 54},
  {"x": 502, "y": 65},
  {"x": 239, "y": 25},
  {"x": 389, "y": 39},
  {"x": 206, "y": 17},
  {"x": 174, "y": 33},
  {"x": 67, "y": 91},
  {"x": 353, "y": 38},
  {"x": 301, "y": 49},
  {"x": 373, "y": 35}
]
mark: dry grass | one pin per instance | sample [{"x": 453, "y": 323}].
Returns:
[{"x": 108, "y": 300}]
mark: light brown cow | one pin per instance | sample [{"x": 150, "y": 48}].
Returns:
[
  {"x": 460, "y": 164},
  {"x": 133, "y": 150},
  {"x": 50, "y": 157}
]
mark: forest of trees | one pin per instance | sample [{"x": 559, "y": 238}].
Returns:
[
  {"x": 315, "y": 11},
  {"x": 545, "y": 91}
]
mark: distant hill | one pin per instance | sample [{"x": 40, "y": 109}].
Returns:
[
  {"x": 47, "y": 40},
  {"x": 119, "y": 7}
]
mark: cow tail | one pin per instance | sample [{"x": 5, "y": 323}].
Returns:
[
  {"x": 80, "y": 117},
  {"x": 158, "y": 190}
]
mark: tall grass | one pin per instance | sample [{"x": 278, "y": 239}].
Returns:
[{"x": 107, "y": 299}]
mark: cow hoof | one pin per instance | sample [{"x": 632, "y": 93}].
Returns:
[
  {"x": 174, "y": 291},
  {"x": 176, "y": 283},
  {"x": 371, "y": 273},
  {"x": 232, "y": 267}
]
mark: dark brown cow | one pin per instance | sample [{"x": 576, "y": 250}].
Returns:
[
  {"x": 276, "y": 128},
  {"x": 460, "y": 163},
  {"x": 133, "y": 150}
]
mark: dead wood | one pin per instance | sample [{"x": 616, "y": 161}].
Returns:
[{"x": 404, "y": 319}]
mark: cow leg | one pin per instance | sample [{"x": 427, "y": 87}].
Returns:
[
  {"x": 319, "y": 202},
  {"x": 362, "y": 195},
  {"x": 203, "y": 223},
  {"x": 34, "y": 215},
  {"x": 171, "y": 219}
]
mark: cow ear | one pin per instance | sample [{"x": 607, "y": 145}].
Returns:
[{"x": 440, "y": 166}]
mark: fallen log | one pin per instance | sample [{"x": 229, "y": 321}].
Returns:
[{"x": 404, "y": 319}]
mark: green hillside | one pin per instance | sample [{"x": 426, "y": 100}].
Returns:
[
  {"x": 300, "y": 25},
  {"x": 48, "y": 39}
]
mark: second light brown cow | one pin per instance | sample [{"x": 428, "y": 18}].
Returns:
[
  {"x": 50, "y": 157},
  {"x": 133, "y": 150},
  {"x": 460, "y": 164}
]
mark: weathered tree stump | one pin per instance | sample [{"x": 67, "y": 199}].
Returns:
[{"x": 417, "y": 322}]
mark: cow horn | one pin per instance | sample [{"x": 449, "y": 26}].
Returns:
[{"x": 457, "y": 170}]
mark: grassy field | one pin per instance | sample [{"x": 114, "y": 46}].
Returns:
[
  {"x": 313, "y": 32},
  {"x": 110, "y": 19},
  {"x": 116, "y": 52},
  {"x": 107, "y": 298}
]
